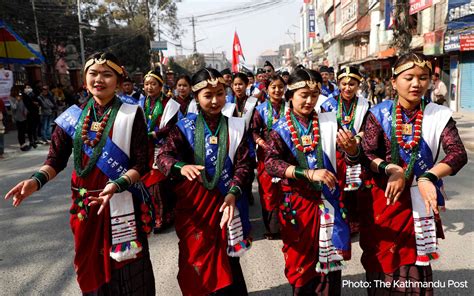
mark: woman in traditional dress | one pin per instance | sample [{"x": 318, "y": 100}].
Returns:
[
  {"x": 302, "y": 152},
  {"x": 161, "y": 114},
  {"x": 111, "y": 257},
  {"x": 400, "y": 227},
  {"x": 209, "y": 152},
  {"x": 269, "y": 188},
  {"x": 350, "y": 111},
  {"x": 184, "y": 96}
]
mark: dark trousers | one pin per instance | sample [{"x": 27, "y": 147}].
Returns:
[{"x": 22, "y": 127}]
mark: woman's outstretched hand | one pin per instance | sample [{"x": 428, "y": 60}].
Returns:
[{"x": 21, "y": 191}]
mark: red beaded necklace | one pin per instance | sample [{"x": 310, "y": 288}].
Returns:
[
  {"x": 398, "y": 129},
  {"x": 96, "y": 126},
  {"x": 294, "y": 134}
]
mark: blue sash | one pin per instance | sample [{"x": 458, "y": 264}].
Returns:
[
  {"x": 262, "y": 110},
  {"x": 330, "y": 104},
  {"x": 230, "y": 98},
  {"x": 341, "y": 232},
  {"x": 113, "y": 162},
  {"x": 187, "y": 126},
  {"x": 325, "y": 91},
  {"x": 132, "y": 101},
  {"x": 424, "y": 160}
]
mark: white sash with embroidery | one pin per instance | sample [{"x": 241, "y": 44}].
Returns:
[
  {"x": 435, "y": 119},
  {"x": 329, "y": 258},
  {"x": 122, "y": 215}
]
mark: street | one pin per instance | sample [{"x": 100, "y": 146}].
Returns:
[{"x": 37, "y": 244}]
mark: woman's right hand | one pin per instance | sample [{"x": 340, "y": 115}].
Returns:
[
  {"x": 395, "y": 184},
  {"x": 21, "y": 191},
  {"x": 192, "y": 171},
  {"x": 323, "y": 175}
]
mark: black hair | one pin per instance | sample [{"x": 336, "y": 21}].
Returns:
[
  {"x": 250, "y": 74},
  {"x": 285, "y": 73},
  {"x": 302, "y": 75},
  {"x": 352, "y": 69},
  {"x": 436, "y": 74},
  {"x": 274, "y": 78},
  {"x": 242, "y": 76},
  {"x": 107, "y": 56},
  {"x": 408, "y": 57},
  {"x": 260, "y": 71},
  {"x": 204, "y": 74},
  {"x": 226, "y": 71},
  {"x": 323, "y": 69},
  {"x": 127, "y": 79},
  {"x": 156, "y": 72},
  {"x": 185, "y": 77},
  {"x": 268, "y": 64}
]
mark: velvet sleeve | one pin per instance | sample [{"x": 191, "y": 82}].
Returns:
[
  {"x": 173, "y": 150},
  {"x": 59, "y": 150},
  {"x": 274, "y": 163},
  {"x": 456, "y": 156},
  {"x": 139, "y": 144},
  {"x": 374, "y": 142},
  {"x": 257, "y": 127},
  {"x": 243, "y": 168}
]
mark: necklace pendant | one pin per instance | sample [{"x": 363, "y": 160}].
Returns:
[
  {"x": 347, "y": 118},
  {"x": 95, "y": 127},
  {"x": 306, "y": 140},
  {"x": 407, "y": 129},
  {"x": 213, "y": 140}
]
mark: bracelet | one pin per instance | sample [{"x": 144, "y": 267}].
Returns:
[
  {"x": 46, "y": 173},
  {"x": 235, "y": 190},
  {"x": 423, "y": 180},
  {"x": 176, "y": 168},
  {"x": 299, "y": 173},
  {"x": 354, "y": 157},
  {"x": 122, "y": 184},
  {"x": 306, "y": 174},
  {"x": 357, "y": 137},
  {"x": 382, "y": 167},
  {"x": 41, "y": 178},
  {"x": 430, "y": 176}
]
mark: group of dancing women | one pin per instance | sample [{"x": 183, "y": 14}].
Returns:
[{"x": 326, "y": 166}]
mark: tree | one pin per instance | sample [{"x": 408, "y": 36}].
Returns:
[
  {"x": 403, "y": 26},
  {"x": 127, "y": 26},
  {"x": 57, "y": 26}
]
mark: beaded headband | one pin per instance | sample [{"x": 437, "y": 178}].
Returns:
[
  {"x": 102, "y": 61},
  {"x": 212, "y": 82},
  {"x": 151, "y": 74},
  {"x": 300, "y": 84},
  {"x": 349, "y": 75},
  {"x": 420, "y": 63}
]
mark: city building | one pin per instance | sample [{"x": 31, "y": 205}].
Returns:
[{"x": 360, "y": 32}]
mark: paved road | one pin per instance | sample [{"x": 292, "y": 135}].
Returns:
[{"x": 37, "y": 247}]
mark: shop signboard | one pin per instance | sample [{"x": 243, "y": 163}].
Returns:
[
  {"x": 451, "y": 42},
  {"x": 312, "y": 24},
  {"x": 419, "y": 5},
  {"x": 466, "y": 42},
  {"x": 460, "y": 14}
]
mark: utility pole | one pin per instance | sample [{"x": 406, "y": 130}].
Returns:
[
  {"x": 81, "y": 37},
  {"x": 36, "y": 24},
  {"x": 150, "y": 37},
  {"x": 194, "y": 35}
]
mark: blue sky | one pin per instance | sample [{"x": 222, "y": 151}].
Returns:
[{"x": 258, "y": 30}]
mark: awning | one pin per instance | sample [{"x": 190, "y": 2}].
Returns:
[{"x": 14, "y": 50}]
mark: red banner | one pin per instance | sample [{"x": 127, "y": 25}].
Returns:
[
  {"x": 466, "y": 42},
  {"x": 236, "y": 53},
  {"x": 419, "y": 5}
]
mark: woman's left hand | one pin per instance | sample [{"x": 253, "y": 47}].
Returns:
[
  {"x": 346, "y": 140},
  {"x": 429, "y": 195},
  {"x": 104, "y": 197},
  {"x": 227, "y": 208}
]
